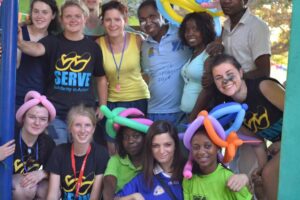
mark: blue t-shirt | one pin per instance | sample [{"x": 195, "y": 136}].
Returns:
[
  {"x": 192, "y": 73},
  {"x": 162, "y": 62},
  {"x": 157, "y": 192}
]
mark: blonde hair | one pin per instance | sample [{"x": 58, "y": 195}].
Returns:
[
  {"x": 81, "y": 110},
  {"x": 77, "y": 3}
]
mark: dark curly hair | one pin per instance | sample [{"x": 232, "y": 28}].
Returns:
[
  {"x": 119, "y": 138},
  {"x": 205, "y": 24},
  {"x": 145, "y": 4}
]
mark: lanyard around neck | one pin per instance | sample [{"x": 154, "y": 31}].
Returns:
[
  {"x": 22, "y": 155},
  {"x": 79, "y": 180},
  {"x": 118, "y": 66}
]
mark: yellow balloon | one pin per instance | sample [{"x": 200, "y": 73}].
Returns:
[{"x": 189, "y": 6}]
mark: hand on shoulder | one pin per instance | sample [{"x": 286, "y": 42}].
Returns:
[{"x": 237, "y": 181}]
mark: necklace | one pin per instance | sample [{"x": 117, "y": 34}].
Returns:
[
  {"x": 118, "y": 66},
  {"x": 29, "y": 151},
  {"x": 79, "y": 180}
]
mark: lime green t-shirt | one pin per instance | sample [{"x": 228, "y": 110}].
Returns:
[
  {"x": 122, "y": 169},
  {"x": 213, "y": 187}
]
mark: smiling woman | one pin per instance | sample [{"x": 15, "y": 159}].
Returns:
[
  {"x": 265, "y": 100},
  {"x": 121, "y": 60},
  {"x": 196, "y": 31},
  {"x": 33, "y": 147},
  {"x": 31, "y": 71},
  {"x": 71, "y": 60},
  {"x": 88, "y": 161},
  {"x": 162, "y": 166}
]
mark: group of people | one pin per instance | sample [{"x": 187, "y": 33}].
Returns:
[{"x": 170, "y": 76}]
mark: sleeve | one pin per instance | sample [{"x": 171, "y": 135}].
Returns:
[
  {"x": 49, "y": 43},
  {"x": 112, "y": 166},
  {"x": 186, "y": 189},
  {"x": 98, "y": 68},
  {"x": 131, "y": 187},
  {"x": 53, "y": 164},
  {"x": 101, "y": 159},
  {"x": 260, "y": 39},
  {"x": 243, "y": 194}
]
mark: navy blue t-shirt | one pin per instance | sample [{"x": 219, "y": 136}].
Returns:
[
  {"x": 31, "y": 74},
  {"x": 72, "y": 66}
]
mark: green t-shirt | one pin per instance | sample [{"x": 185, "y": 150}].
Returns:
[
  {"x": 122, "y": 169},
  {"x": 213, "y": 187}
]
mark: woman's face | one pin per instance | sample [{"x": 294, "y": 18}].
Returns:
[
  {"x": 204, "y": 153},
  {"x": 163, "y": 148},
  {"x": 36, "y": 120},
  {"x": 41, "y": 15},
  {"x": 114, "y": 22},
  {"x": 227, "y": 78},
  {"x": 92, "y": 4},
  {"x": 82, "y": 129},
  {"x": 132, "y": 142},
  {"x": 73, "y": 19},
  {"x": 192, "y": 35}
]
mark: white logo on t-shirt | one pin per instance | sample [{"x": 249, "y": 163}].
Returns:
[{"x": 158, "y": 190}]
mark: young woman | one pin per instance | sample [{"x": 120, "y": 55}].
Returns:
[
  {"x": 32, "y": 71},
  {"x": 93, "y": 26},
  {"x": 76, "y": 169},
  {"x": 73, "y": 60},
  {"x": 121, "y": 60},
  {"x": 211, "y": 180},
  {"x": 127, "y": 164},
  {"x": 162, "y": 166},
  {"x": 33, "y": 147},
  {"x": 196, "y": 31},
  {"x": 265, "y": 100}
]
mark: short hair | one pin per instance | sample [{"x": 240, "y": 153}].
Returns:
[
  {"x": 120, "y": 136},
  {"x": 205, "y": 24},
  {"x": 114, "y": 5},
  {"x": 81, "y": 110},
  {"x": 77, "y": 3},
  {"x": 147, "y": 3}
]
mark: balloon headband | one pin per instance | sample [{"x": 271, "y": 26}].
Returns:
[
  {"x": 32, "y": 99},
  {"x": 211, "y": 7},
  {"x": 224, "y": 114},
  {"x": 118, "y": 117}
]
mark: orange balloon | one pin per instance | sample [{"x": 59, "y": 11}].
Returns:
[
  {"x": 211, "y": 131},
  {"x": 233, "y": 143}
]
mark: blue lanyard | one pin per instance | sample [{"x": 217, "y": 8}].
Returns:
[
  {"x": 118, "y": 66},
  {"x": 22, "y": 156}
]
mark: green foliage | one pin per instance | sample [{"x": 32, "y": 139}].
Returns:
[{"x": 277, "y": 14}]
